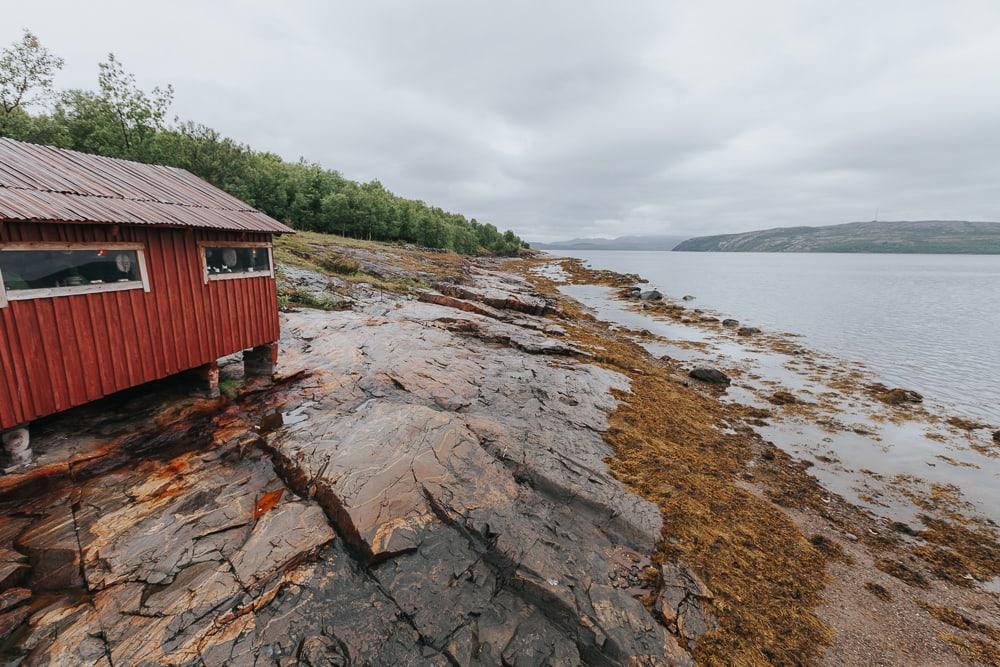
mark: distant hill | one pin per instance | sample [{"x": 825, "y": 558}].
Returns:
[
  {"x": 924, "y": 236},
  {"x": 620, "y": 243}
]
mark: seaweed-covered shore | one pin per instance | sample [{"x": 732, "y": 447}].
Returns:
[
  {"x": 900, "y": 571},
  {"x": 459, "y": 464}
]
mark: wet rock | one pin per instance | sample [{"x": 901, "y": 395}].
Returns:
[
  {"x": 65, "y": 633},
  {"x": 504, "y": 489},
  {"x": 996, "y": 436},
  {"x": 13, "y": 572},
  {"x": 499, "y": 291},
  {"x": 633, "y": 292},
  {"x": 52, "y": 548},
  {"x": 688, "y": 297},
  {"x": 683, "y": 602},
  {"x": 730, "y": 323},
  {"x": 13, "y": 597},
  {"x": 710, "y": 375},
  {"x": 651, "y": 295},
  {"x": 12, "y": 620},
  {"x": 748, "y": 331},
  {"x": 14, "y": 568},
  {"x": 894, "y": 396},
  {"x": 461, "y": 304}
]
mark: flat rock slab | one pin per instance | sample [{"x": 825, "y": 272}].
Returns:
[{"x": 470, "y": 477}]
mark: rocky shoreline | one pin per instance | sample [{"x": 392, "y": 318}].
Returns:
[
  {"x": 455, "y": 465},
  {"x": 941, "y": 568}
]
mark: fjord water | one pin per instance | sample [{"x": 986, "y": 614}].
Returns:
[{"x": 924, "y": 322}]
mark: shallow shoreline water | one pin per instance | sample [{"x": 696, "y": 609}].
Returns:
[
  {"x": 855, "y": 460},
  {"x": 925, "y": 322}
]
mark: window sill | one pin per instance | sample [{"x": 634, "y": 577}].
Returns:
[
  {"x": 52, "y": 292},
  {"x": 237, "y": 276}
]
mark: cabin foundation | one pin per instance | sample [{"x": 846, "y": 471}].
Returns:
[
  {"x": 260, "y": 361},
  {"x": 17, "y": 445},
  {"x": 207, "y": 380}
]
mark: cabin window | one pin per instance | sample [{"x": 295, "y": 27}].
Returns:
[
  {"x": 223, "y": 261},
  {"x": 42, "y": 270}
]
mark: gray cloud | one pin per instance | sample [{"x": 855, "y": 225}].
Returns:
[{"x": 576, "y": 118}]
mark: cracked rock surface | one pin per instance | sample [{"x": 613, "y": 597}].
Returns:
[{"x": 437, "y": 494}]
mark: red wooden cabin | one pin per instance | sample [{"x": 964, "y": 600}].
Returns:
[{"x": 115, "y": 273}]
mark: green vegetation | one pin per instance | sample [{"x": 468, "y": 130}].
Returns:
[
  {"x": 121, "y": 120},
  {"x": 288, "y": 299},
  {"x": 229, "y": 387}
]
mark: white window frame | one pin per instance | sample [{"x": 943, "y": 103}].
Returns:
[
  {"x": 51, "y": 292},
  {"x": 206, "y": 276}
]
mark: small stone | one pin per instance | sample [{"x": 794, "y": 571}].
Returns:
[
  {"x": 899, "y": 396},
  {"x": 271, "y": 422},
  {"x": 996, "y": 436},
  {"x": 651, "y": 295},
  {"x": 748, "y": 331},
  {"x": 688, "y": 297},
  {"x": 710, "y": 375},
  {"x": 730, "y": 323}
]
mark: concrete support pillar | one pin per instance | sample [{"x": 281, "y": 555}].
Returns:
[
  {"x": 208, "y": 380},
  {"x": 17, "y": 445},
  {"x": 260, "y": 361}
]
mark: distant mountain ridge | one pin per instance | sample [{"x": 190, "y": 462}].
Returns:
[
  {"x": 621, "y": 243},
  {"x": 918, "y": 236}
]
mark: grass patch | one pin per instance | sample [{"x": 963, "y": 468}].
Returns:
[
  {"x": 344, "y": 266},
  {"x": 288, "y": 300},
  {"x": 229, "y": 387}
]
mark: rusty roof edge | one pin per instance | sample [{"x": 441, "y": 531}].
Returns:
[
  {"x": 70, "y": 193},
  {"x": 157, "y": 225}
]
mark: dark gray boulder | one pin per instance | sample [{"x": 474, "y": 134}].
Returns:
[
  {"x": 651, "y": 295},
  {"x": 710, "y": 375},
  {"x": 730, "y": 323}
]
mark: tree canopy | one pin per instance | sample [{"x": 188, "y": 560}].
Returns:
[{"x": 120, "y": 119}]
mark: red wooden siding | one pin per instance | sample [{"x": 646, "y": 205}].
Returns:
[{"x": 60, "y": 352}]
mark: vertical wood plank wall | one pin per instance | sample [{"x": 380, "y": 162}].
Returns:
[{"x": 60, "y": 352}]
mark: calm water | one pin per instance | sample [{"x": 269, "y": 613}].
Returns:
[{"x": 924, "y": 322}]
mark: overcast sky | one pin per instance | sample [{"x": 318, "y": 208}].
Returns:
[{"x": 576, "y": 118}]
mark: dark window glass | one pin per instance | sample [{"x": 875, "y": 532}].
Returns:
[
  {"x": 43, "y": 269},
  {"x": 223, "y": 261}
]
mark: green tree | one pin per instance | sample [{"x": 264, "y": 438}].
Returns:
[
  {"x": 120, "y": 119},
  {"x": 27, "y": 70},
  {"x": 137, "y": 114}
]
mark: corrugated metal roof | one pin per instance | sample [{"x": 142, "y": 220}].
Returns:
[{"x": 46, "y": 184}]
